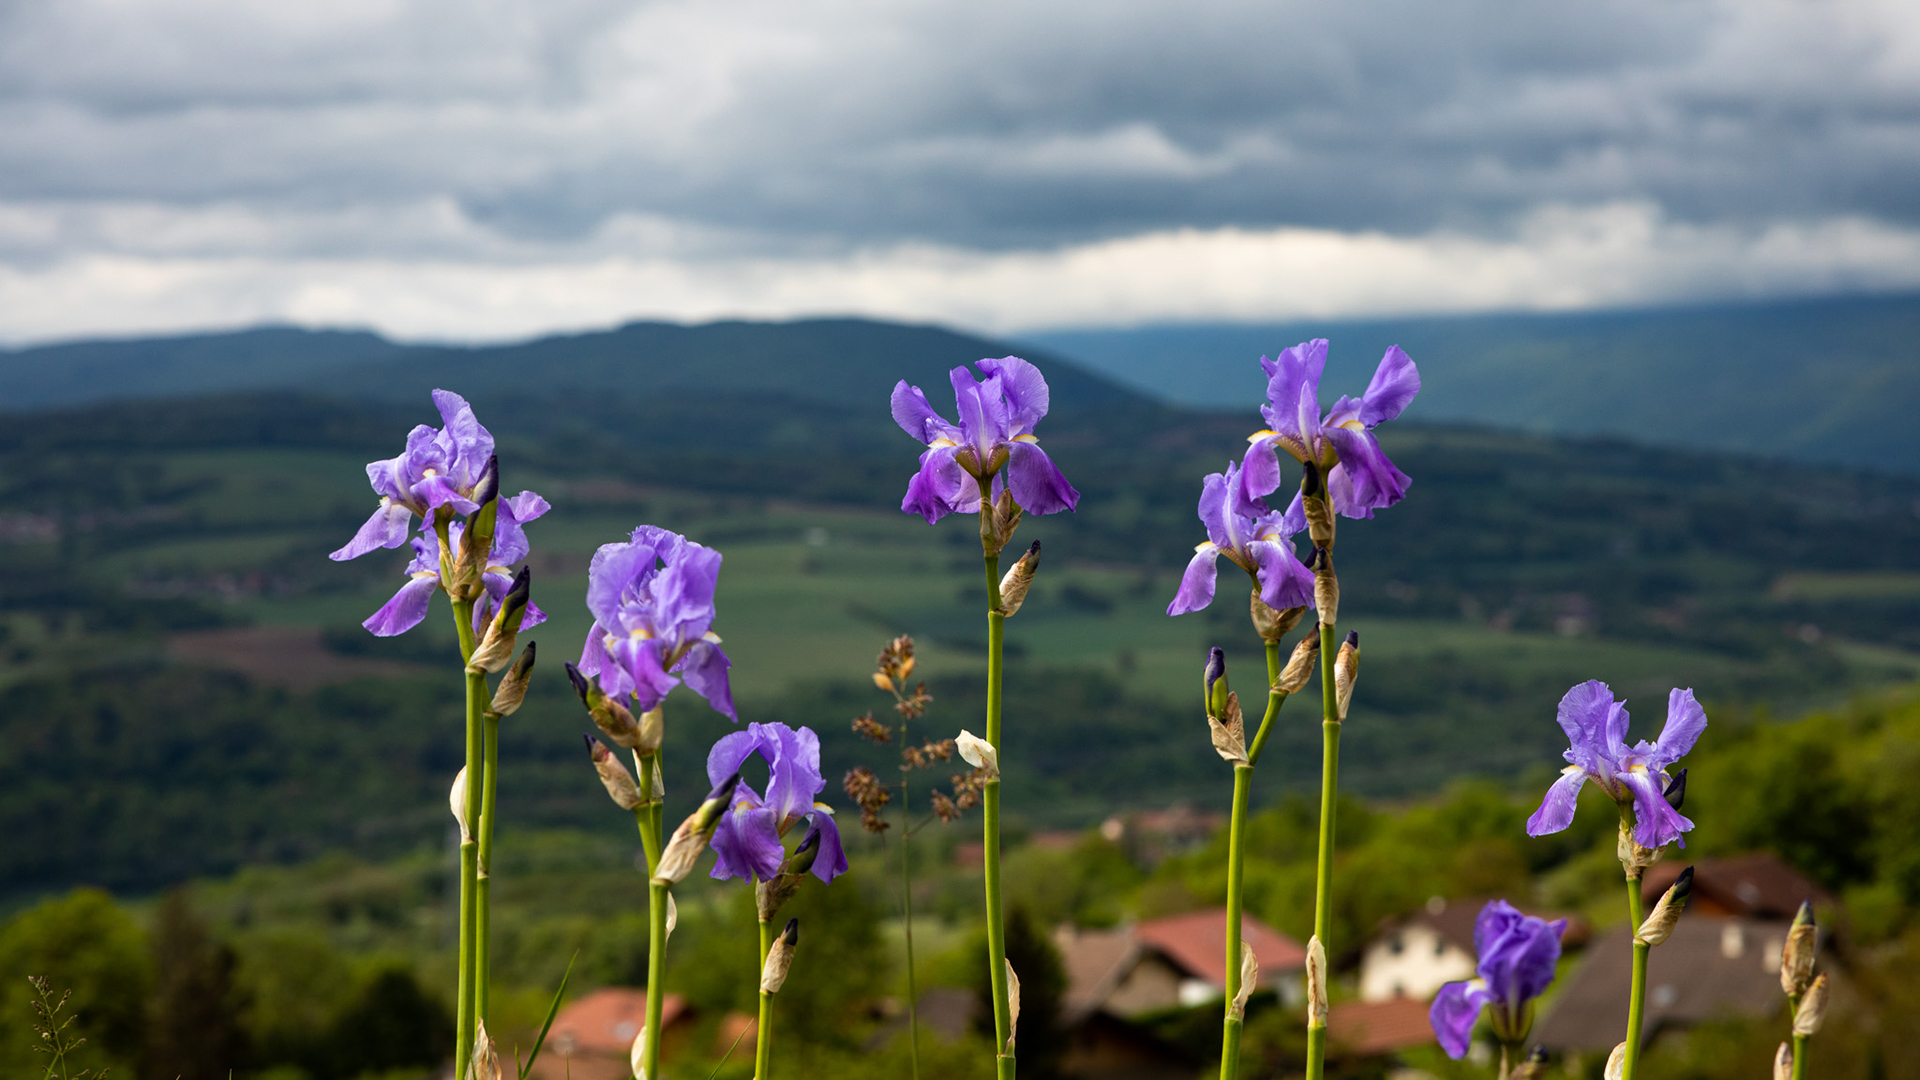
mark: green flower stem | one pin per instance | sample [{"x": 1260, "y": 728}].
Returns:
[
  {"x": 1637, "y": 1001},
  {"x": 763, "y": 1030},
  {"x": 906, "y": 905},
  {"x": 465, "y": 997},
  {"x": 1323, "y": 873},
  {"x": 483, "y": 879},
  {"x": 648, "y": 817},
  {"x": 990, "y": 818},
  {"x": 656, "y": 975},
  {"x": 1232, "y": 1026},
  {"x": 1800, "y": 1057}
]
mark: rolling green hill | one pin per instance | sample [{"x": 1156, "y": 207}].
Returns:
[{"x": 1830, "y": 380}]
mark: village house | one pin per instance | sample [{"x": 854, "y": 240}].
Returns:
[
  {"x": 1722, "y": 960},
  {"x": 592, "y": 1037}
]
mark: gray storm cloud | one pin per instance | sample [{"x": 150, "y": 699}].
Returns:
[{"x": 524, "y": 133}]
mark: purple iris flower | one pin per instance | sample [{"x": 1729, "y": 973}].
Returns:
[
  {"x": 652, "y": 604},
  {"x": 409, "y": 606},
  {"x": 1517, "y": 956},
  {"x": 439, "y": 467},
  {"x": 1256, "y": 539},
  {"x": 1596, "y": 727},
  {"x": 1341, "y": 443},
  {"x": 748, "y": 839},
  {"x": 997, "y": 418}
]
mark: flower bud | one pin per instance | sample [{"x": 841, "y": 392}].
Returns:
[
  {"x": 611, "y": 717},
  {"x": 1796, "y": 958},
  {"x": 1658, "y": 926},
  {"x": 1213, "y": 682},
  {"x": 1316, "y": 983},
  {"x": 614, "y": 776},
  {"x": 998, "y": 522},
  {"x": 978, "y": 753},
  {"x": 1306, "y": 653},
  {"x": 1677, "y": 790},
  {"x": 1319, "y": 508},
  {"x": 653, "y": 730},
  {"x": 1230, "y": 733},
  {"x": 1813, "y": 1009},
  {"x": 1013, "y": 1007},
  {"x": 1783, "y": 1062},
  {"x": 486, "y": 1061},
  {"x": 457, "y": 801},
  {"x": 1014, "y": 586},
  {"x": 1249, "y": 975},
  {"x": 513, "y": 685},
  {"x": 1634, "y": 859},
  {"x": 1616, "y": 1063},
  {"x": 476, "y": 538},
  {"x": 1346, "y": 669},
  {"x": 773, "y": 974},
  {"x": 692, "y": 835},
  {"x": 1272, "y": 624},
  {"x": 770, "y": 895},
  {"x": 496, "y": 647},
  {"x": 1326, "y": 587}
]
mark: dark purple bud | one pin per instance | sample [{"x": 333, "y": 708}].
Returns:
[
  {"x": 803, "y": 856},
  {"x": 1214, "y": 682},
  {"x": 1804, "y": 917},
  {"x": 514, "y": 604},
  {"x": 1033, "y": 553},
  {"x": 723, "y": 791},
  {"x": 1683, "y": 886},
  {"x": 595, "y": 748},
  {"x": 1353, "y": 638},
  {"x": 487, "y": 489},
  {"x": 581, "y": 684},
  {"x": 1677, "y": 790},
  {"x": 1310, "y": 481},
  {"x": 791, "y": 935},
  {"x": 483, "y": 521}
]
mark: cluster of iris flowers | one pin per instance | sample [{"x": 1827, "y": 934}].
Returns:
[{"x": 652, "y": 601}]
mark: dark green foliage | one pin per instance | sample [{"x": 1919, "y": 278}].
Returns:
[
  {"x": 84, "y": 945},
  {"x": 194, "y": 1026},
  {"x": 393, "y": 1024}
]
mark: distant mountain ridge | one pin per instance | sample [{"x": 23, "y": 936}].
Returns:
[
  {"x": 1833, "y": 380},
  {"x": 838, "y": 361},
  {"x": 1829, "y": 381}
]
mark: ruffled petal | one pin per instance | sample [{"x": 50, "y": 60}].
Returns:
[
  {"x": 1025, "y": 389},
  {"x": 1196, "y": 585},
  {"x": 1685, "y": 721},
  {"x": 747, "y": 844},
  {"x": 731, "y": 751},
  {"x": 705, "y": 671},
  {"x": 1588, "y": 714},
  {"x": 940, "y": 487},
  {"x": 1655, "y": 822},
  {"x": 795, "y": 778},
  {"x": 407, "y": 607},
  {"x": 1260, "y": 466},
  {"x": 1556, "y": 810},
  {"x": 1284, "y": 581},
  {"x": 639, "y": 659},
  {"x": 1456, "y": 1009},
  {"x": 387, "y": 528},
  {"x": 972, "y": 411},
  {"x": 917, "y": 418},
  {"x": 614, "y": 568},
  {"x": 1394, "y": 384},
  {"x": 832, "y": 860},
  {"x": 1295, "y": 375},
  {"x": 1377, "y": 483},
  {"x": 1037, "y": 485},
  {"x": 472, "y": 444}
]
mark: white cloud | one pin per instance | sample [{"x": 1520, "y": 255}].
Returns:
[
  {"x": 387, "y": 159},
  {"x": 1559, "y": 258}
]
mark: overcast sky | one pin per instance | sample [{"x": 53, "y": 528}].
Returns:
[{"x": 478, "y": 169}]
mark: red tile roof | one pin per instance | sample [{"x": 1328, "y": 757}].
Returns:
[
  {"x": 1758, "y": 885},
  {"x": 606, "y": 1020},
  {"x": 1379, "y": 1027},
  {"x": 1197, "y": 941}
]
